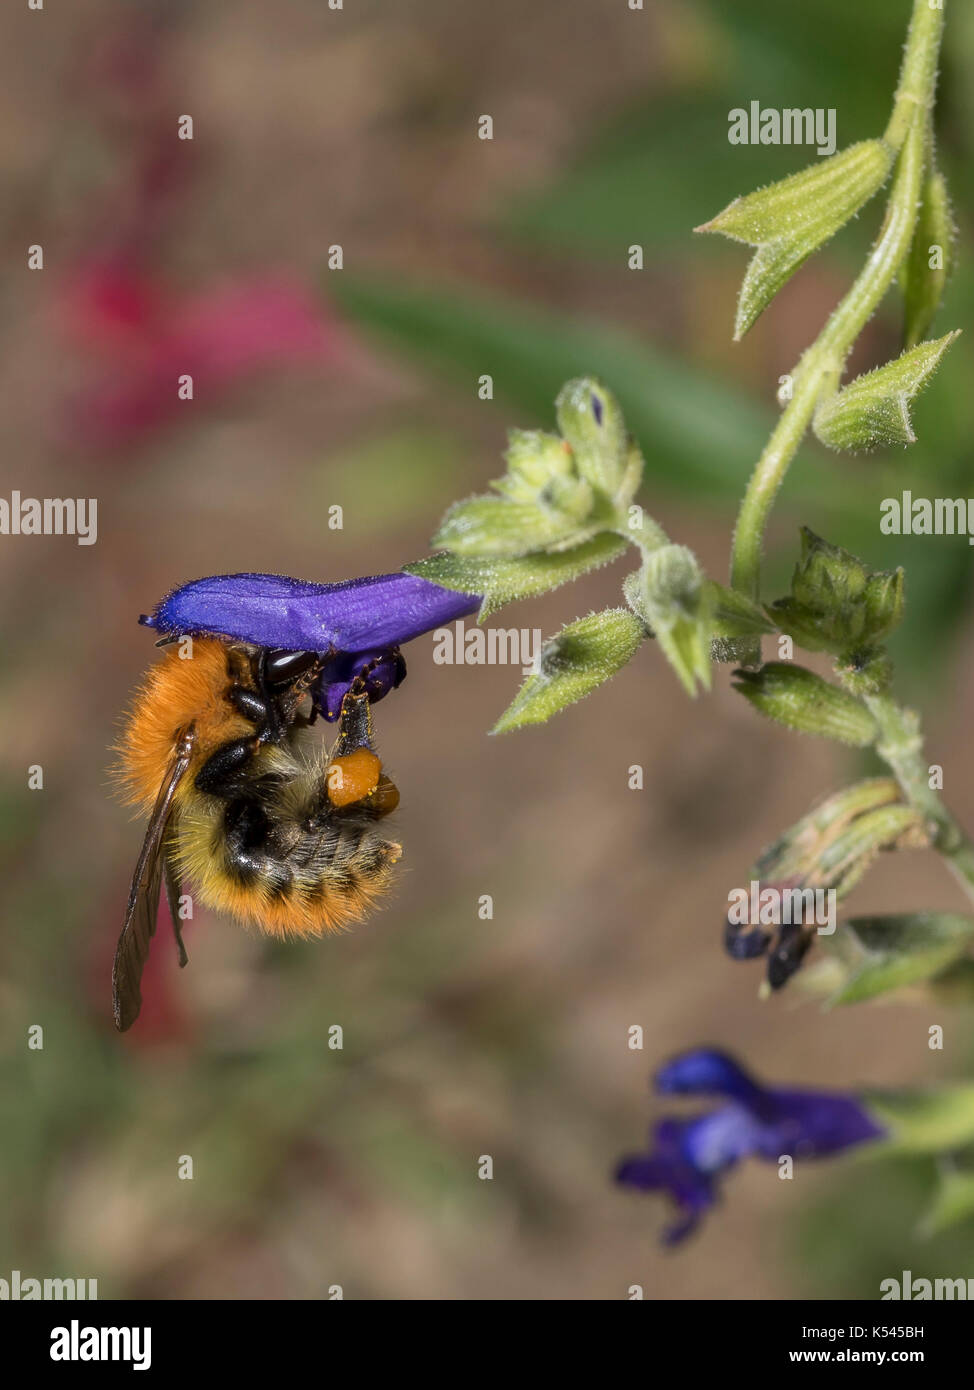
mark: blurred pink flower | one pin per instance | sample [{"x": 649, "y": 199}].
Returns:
[{"x": 139, "y": 338}]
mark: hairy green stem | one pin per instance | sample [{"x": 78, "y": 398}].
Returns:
[
  {"x": 901, "y": 747},
  {"x": 822, "y": 364}
]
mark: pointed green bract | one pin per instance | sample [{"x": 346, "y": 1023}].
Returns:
[
  {"x": 926, "y": 269},
  {"x": 873, "y": 411},
  {"x": 880, "y": 954},
  {"x": 502, "y": 581},
  {"x": 735, "y": 615},
  {"x": 789, "y": 220},
  {"x": 580, "y": 658},
  {"x": 801, "y": 700}
]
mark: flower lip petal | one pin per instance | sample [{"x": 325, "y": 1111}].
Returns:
[
  {"x": 688, "y": 1158},
  {"x": 706, "y": 1071},
  {"x": 271, "y": 610},
  {"x": 381, "y": 671}
]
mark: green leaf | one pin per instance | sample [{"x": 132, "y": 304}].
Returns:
[
  {"x": 873, "y": 411},
  {"x": 926, "y": 1121},
  {"x": 886, "y": 953},
  {"x": 581, "y": 657},
  {"x": 504, "y": 581},
  {"x": 924, "y": 274},
  {"x": 801, "y": 700},
  {"x": 953, "y": 1203},
  {"x": 789, "y": 220}
]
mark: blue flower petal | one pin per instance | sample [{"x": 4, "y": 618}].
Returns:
[
  {"x": 271, "y": 610},
  {"x": 382, "y": 672},
  {"x": 706, "y": 1071},
  {"x": 815, "y": 1124},
  {"x": 687, "y": 1157}
]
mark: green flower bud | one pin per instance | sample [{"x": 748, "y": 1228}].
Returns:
[
  {"x": 799, "y": 853},
  {"x": 884, "y": 600},
  {"x": 789, "y": 220},
  {"x": 873, "y": 411},
  {"x": 843, "y": 861},
  {"x": 558, "y": 493},
  {"x": 801, "y": 700},
  {"x": 534, "y": 460},
  {"x": 865, "y": 672},
  {"x": 837, "y": 604},
  {"x": 591, "y": 421}
]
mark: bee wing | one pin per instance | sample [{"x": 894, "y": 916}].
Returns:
[
  {"x": 132, "y": 950},
  {"x": 174, "y": 891}
]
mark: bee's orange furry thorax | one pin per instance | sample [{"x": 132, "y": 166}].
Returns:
[{"x": 176, "y": 692}]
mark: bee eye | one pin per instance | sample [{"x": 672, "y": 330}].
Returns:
[{"x": 282, "y": 667}]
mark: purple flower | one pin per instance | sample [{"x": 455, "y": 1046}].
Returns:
[
  {"x": 357, "y": 625},
  {"x": 688, "y": 1156},
  {"x": 785, "y": 946}
]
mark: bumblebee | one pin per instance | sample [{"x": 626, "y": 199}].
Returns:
[{"x": 244, "y": 805}]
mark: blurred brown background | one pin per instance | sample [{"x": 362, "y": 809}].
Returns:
[{"x": 462, "y": 1037}]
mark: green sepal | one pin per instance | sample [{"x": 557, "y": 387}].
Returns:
[
  {"x": 880, "y": 954},
  {"x": 801, "y": 700},
  {"x": 503, "y": 581},
  {"x": 833, "y": 845},
  {"x": 953, "y": 1203},
  {"x": 572, "y": 664},
  {"x": 928, "y": 1121},
  {"x": 873, "y": 412},
  {"x": 734, "y": 614}
]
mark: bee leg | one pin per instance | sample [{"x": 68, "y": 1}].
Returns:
[
  {"x": 354, "y": 721},
  {"x": 220, "y": 774},
  {"x": 251, "y": 705},
  {"x": 285, "y": 705},
  {"x": 355, "y": 774}
]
